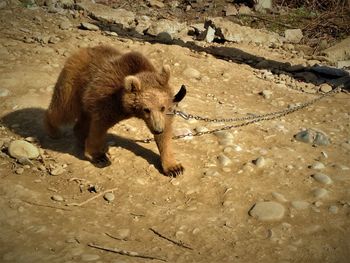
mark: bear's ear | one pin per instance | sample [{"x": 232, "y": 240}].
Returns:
[
  {"x": 165, "y": 73},
  {"x": 132, "y": 84},
  {"x": 180, "y": 95}
]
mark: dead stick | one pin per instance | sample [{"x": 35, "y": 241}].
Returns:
[
  {"x": 170, "y": 240},
  {"x": 43, "y": 205},
  {"x": 107, "y": 234},
  {"x": 92, "y": 198},
  {"x": 124, "y": 252},
  {"x": 268, "y": 20}
]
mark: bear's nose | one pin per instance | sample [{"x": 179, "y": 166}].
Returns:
[{"x": 158, "y": 131}]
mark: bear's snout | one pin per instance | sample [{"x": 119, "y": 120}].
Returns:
[
  {"x": 156, "y": 123},
  {"x": 157, "y": 132}
]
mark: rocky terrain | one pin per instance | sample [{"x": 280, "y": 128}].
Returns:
[{"x": 265, "y": 188}]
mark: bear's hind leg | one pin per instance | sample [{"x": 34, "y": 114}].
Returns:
[{"x": 81, "y": 128}]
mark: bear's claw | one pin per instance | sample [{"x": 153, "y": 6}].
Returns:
[
  {"x": 101, "y": 161},
  {"x": 174, "y": 170}
]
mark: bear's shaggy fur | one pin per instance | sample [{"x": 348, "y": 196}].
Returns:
[{"x": 99, "y": 86}]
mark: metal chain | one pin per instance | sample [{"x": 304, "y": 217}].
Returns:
[{"x": 249, "y": 119}]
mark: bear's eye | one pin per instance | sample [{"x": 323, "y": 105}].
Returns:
[
  {"x": 162, "y": 109},
  {"x": 147, "y": 110}
]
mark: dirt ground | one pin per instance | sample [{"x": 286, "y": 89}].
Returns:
[{"x": 206, "y": 210}]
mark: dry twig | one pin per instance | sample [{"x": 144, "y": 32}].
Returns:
[
  {"x": 92, "y": 198},
  {"x": 124, "y": 252},
  {"x": 178, "y": 243},
  {"x": 43, "y": 205}
]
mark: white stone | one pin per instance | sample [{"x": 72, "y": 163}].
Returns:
[
  {"x": 260, "y": 162},
  {"x": 109, "y": 197},
  {"x": 320, "y": 192},
  {"x": 263, "y": 4},
  {"x": 317, "y": 166},
  {"x": 4, "y": 92},
  {"x": 224, "y": 160},
  {"x": 22, "y": 149},
  {"x": 279, "y": 197},
  {"x": 333, "y": 209},
  {"x": 300, "y": 205},
  {"x": 322, "y": 178},
  {"x": 231, "y": 10},
  {"x": 89, "y": 26},
  {"x": 57, "y": 198},
  {"x": 293, "y": 35},
  {"x": 57, "y": 171},
  {"x": 267, "y": 211},
  {"x": 191, "y": 73},
  {"x": 325, "y": 87},
  {"x": 266, "y": 94},
  {"x": 89, "y": 257}
]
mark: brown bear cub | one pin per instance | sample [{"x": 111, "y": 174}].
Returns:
[{"x": 99, "y": 86}]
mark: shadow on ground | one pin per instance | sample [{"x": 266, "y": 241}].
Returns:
[
  {"x": 316, "y": 74},
  {"x": 28, "y": 123}
]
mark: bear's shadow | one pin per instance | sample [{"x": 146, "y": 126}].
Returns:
[{"x": 28, "y": 122}]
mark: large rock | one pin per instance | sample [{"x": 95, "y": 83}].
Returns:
[
  {"x": 338, "y": 52},
  {"x": 121, "y": 17},
  {"x": 237, "y": 33},
  {"x": 164, "y": 25},
  {"x": 267, "y": 211},
  {"x": 261, "y": 5},
  {"x": 20, "y": 149},
  {"x": 293, "y": 35}
]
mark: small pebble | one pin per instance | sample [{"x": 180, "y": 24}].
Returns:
[
  {"x": 25, "y": 161},
  {"x": 317, "y": 166},
  {"x": 260, "y": 162},
  {"x": 320, "y": 192},
  {"x": 57, "y": 198},
  {"x": 224, "y": 135},
  {"x": 333, "y": 209},
  {"x": 266, "y": 94},
  {"x": 341, "y": 167},
  {"x": 19, "y": 170},
  {"x": 89, "y": 26},
  {"x": 4, "y": 92},
  {"x": 201, "y": 129},
  {"x": 192, "y": 73},
  {"x": 57, "y": 171},
  {"x": 318, "y": 203},
  {"x": 122, "y": 234},
  {"x": 279, "y": 197},
  {"x": 211, "y": 173},
  {"x": 109, "y": 197},
  {"x": 300, "y": 205},
  {"x": 224, "y": 160},
  {"x": 89, "y": 257},
  {"x": 322, "y": 178},
  {"x": 325, "y": 87}
]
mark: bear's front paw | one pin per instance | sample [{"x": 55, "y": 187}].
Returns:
[
  {"x": 174, "y": 171},
  {"x": 101, "y": 161}
]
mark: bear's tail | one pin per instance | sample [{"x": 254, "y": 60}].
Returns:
[{"x": 64, "y": 106}]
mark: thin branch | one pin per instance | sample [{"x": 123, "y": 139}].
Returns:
[
  {"x": 268, "y": 20},
  {"x": 124, "y": 252},
  {"x": 43, "y": 205},
  {"x": 178, "y": 243},
  {"x": 92, "y": 198},
  {"x": 107, "y": 234}
]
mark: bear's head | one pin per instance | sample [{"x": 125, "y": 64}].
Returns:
[{"x": 148, "y": 96}]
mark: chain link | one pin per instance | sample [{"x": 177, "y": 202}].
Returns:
[{"x": 248, "y": 119}]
